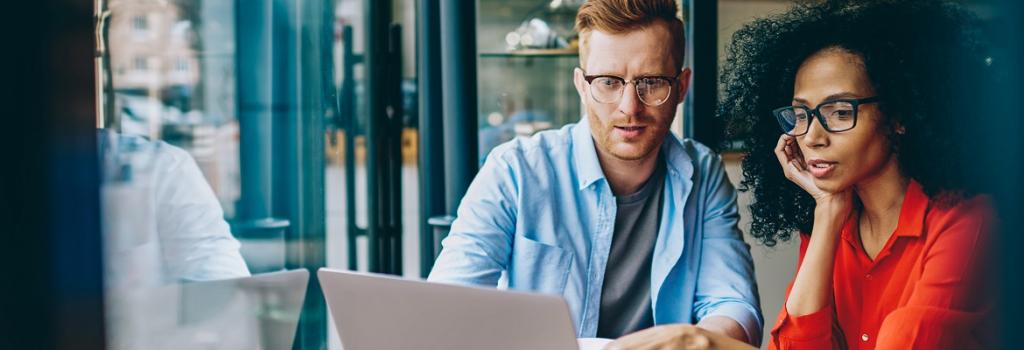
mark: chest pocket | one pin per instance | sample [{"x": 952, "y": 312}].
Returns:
[{"x": 539, "y": 267}]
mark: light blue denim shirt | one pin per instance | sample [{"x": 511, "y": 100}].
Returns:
[
  {"x": 541, "y": 211},
  {"x": 162, "y": 222}
]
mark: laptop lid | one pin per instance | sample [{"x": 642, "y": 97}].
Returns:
[
  {"x": 258, "y": 312},
  {"x": 379, "y": 312}
]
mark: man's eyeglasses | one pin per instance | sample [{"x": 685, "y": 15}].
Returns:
[
  {"x": 834, "y": 116},
  {"x": 652, "y": 90}
]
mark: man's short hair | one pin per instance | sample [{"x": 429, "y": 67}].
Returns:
[{"x": 623, "y": 16}]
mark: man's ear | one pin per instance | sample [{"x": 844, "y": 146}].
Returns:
[
  {"x": 684, "y": 84},
  {"x": 581, "y": 83}
]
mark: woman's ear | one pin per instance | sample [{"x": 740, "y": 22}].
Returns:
[{"x": 898, "y": 130}]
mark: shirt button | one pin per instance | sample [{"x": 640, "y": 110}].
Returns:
[
  {"x": 867, "y": 276},
  {"x": 864, "y": 337}
]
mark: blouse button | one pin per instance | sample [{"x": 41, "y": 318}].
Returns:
[
  {"x": 867, "y": 276},
  {"x": 864, "y": 337}
]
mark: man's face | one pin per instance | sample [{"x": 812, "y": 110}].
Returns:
[{"x": 628, "y": 129}]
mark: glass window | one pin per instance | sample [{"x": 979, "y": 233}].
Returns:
[
  {"x": 140, "y": 63},
  {"x": 528, "y": 50},
  {"x": 140, "y": 23},
  {"x": 181, "y": 65},
  {"x": 210, "y": 186},
  {"x": 347, "y": 146}
]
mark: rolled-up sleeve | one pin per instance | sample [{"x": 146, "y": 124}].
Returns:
[
  {"x": 725, "y": 284},
  {"x": 811, "y": 331},
  {"x": 479, "y": 245}
]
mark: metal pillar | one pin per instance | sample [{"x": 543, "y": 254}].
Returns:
[
  {"x": 458, "y": 78},
  {"x": 458, "y": 72},
  {"x": 255, "y": 219},
  {"x": 383, "y": 143},
  {"x": 431, "y": 135},
  {"x": 701, "y": 102}
]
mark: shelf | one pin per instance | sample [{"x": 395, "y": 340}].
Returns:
[{"x": 533, "y": 53}]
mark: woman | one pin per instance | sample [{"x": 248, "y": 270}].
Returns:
[{"x": 879, "y": 105}]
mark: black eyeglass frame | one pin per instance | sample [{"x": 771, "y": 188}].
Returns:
[
  {"x": 673, "y": 81},
  {"x": 816, "y": 113}
]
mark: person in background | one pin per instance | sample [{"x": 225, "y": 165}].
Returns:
[
  {"x": 631, "y": 225},
  {"x": 162, "y": 222},
  {"x": 861, "y": 120}
]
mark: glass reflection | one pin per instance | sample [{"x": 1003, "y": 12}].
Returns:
[
  {"x": 162, "y": 226},
  {"x": 260, "y": 312},
  {"x": 169, "y": 147},
  {"x": 162, "y": 222}
]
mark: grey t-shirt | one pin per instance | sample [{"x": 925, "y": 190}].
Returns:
[{"x": 626, "y": 294}]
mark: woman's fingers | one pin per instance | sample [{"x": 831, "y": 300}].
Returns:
[
  {"x": 793, "y": 153},
  {"x": 788, "y": 154},
  {"x": 797, "y": 154},
  {"x": 780, "y": 150},
  {"x": 793, "y": 166},
  {"x": 792, "y": 162}
]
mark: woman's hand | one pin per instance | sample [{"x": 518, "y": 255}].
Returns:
[
  {"x": 677, "y": 337},
  {"x": 812, "y": 286},
  {"x": 833, "y": 204}
]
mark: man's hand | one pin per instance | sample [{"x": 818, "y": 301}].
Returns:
[
  {"x": 723, "y": 325},
  {"x": 677, "y": 337}
]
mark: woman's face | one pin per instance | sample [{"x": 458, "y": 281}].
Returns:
[{"x": 840, "y": 160}]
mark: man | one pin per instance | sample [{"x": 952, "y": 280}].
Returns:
[
  {"x": 633, "y": 227},
  {"x": 162, "y": 222}
]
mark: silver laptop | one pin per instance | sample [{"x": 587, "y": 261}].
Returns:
[
  {"x": 249, "y": 313},
  {"x": 378, "y": 312}
]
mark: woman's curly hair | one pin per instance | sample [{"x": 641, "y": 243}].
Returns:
[{"x": 926, "y": 61}]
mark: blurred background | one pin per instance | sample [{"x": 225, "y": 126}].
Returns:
[{"x": 337, "y": 133}]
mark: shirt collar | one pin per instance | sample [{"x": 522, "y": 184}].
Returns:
[
  {"x": 912, "y": 213},
  {"x": 915, "y": 205},
  {"x": 588, "y": 168}
]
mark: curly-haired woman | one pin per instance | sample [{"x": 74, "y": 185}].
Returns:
[{"x": 860, "y": 119}]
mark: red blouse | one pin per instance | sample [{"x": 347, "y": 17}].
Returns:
[{"x": 924, "y": 290}]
